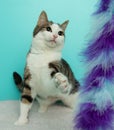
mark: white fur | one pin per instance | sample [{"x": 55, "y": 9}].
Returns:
[
  {"x": 23, "y": 114},
  {"x": 42, "y": 53},
  {"x": 41, "y": 41}
]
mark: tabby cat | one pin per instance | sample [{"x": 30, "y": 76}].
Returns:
[{"x": 47, "y": 77}]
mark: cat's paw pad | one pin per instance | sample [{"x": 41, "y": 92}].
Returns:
[
  {"x": 62, "y": 82},
  {"x": 21, "y": 122}
]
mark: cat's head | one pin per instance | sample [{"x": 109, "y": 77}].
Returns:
[{"x": 50, "y": 35}]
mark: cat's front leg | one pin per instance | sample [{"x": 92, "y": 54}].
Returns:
[
  {"x": 45, "y": 103},
  {"x": 62, "y": 82}
]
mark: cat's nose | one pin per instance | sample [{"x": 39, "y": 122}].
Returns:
[{"x": 55, "y": 36}]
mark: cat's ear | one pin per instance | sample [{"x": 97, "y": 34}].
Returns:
[
  {"x": 43, "y": 19},
  {"x": 64, "y": 25}
]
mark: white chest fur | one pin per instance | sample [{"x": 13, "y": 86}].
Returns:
[
  {"x": 42, "y": 59},
  {"x": 39, "y": 68}
]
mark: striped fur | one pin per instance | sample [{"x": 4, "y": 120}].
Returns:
[{"x": 63, "y": 67}]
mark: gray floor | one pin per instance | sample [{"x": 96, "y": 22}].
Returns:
[{"x": 56, "y": 118}]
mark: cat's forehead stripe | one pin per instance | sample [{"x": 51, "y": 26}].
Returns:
[{"x": 38, "y": 28}]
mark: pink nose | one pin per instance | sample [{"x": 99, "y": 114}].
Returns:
[{"x": 55, "y": 36}]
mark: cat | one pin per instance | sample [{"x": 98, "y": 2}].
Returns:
[{"x": 47, "y": 77}]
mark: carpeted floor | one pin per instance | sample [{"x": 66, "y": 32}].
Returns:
[{"x": 56, "y": 118}]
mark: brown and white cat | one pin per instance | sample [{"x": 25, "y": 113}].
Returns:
[{"x": 47, "y": 77}]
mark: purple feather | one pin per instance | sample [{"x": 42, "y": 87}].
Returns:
[
  {"x": 105, "y": 43},
  {"x": 104, "y": 6},
  {"x": 97, "y": 76},
  {"x": 90, "y": 118},
  {"x": 96, "y": 101}
]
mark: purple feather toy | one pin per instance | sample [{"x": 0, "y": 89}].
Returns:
[{"x": 96, "y": 105}]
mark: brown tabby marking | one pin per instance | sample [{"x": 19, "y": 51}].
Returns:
[
  {"x": 63, "y": 67},
  {"x": 25, "y": 101},
  {"x": 26, "y": 94},
  {"x": 41, "y": 28},
  {"x": 27, "y": 76}
]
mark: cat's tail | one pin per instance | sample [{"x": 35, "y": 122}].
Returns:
[{"x": 18, "y": 81}]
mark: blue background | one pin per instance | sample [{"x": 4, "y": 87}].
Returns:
[{"x": 17, "y": 20}]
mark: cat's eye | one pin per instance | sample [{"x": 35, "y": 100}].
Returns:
[
  {"x": 60, "y": 33},
  {"x": 49, "y": 29}
]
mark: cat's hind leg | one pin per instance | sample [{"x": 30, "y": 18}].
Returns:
[{"x": 25, "y": 105}]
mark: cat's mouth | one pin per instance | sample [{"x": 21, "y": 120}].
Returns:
[{"x": 52, "y": 41}]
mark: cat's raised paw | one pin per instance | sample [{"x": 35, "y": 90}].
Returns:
[{"x": 62, "y": 82}]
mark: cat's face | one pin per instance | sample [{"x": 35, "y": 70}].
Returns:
[{"x": 50, "y": 34}]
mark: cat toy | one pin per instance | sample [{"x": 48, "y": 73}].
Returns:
[{"x": 96, "y": 100}]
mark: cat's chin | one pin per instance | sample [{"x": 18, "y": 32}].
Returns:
[{"x": 52, "y": 44}]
